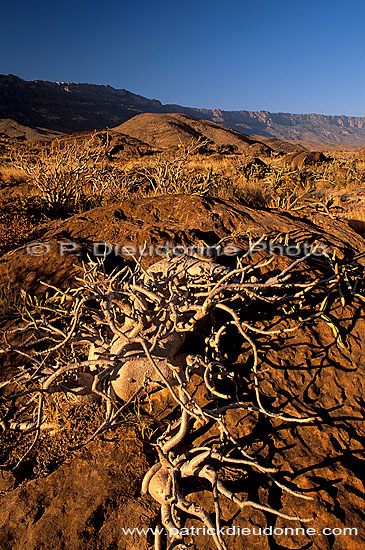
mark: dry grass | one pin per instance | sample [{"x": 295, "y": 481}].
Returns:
[
  {"x": 11, "y": 301},
  {"x": 74, "y": 175},
  {"x": 12, "y": 175}
]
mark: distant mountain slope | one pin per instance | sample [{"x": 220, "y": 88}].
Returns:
[
  {"x": 292, "y": 127},
  {"x": 70, "y": 107}
]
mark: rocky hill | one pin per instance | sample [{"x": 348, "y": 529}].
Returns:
[
  {"x": 169, "y": 130},
  {"x": 11, "y": 129},
  {"x": 73, "y": 107},
  {"x": 166, "y": 130}
]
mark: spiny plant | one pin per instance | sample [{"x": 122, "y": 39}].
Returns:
[
  {"x": 68, "y": 173},
  {"x": 171, "y": 175}
]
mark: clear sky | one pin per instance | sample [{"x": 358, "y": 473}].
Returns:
[{"x": 277, "y": 55}]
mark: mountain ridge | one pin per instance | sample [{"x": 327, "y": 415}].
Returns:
[{"x": 71, "y": 107}]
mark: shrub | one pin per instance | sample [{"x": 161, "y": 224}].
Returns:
[{"x": 65, "y": 171}]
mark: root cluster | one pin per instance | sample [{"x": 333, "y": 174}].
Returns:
[{"x": 125, "y": 335}]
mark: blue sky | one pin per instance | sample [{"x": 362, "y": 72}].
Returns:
[{"x": 290, "y": 56}]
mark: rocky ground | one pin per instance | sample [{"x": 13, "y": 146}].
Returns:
[{"x": 84, "y": 499}]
